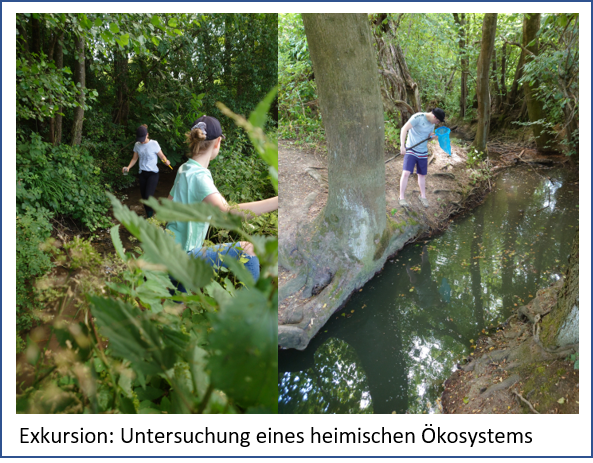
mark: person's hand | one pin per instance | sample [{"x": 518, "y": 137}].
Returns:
[
  {"x": 167, "y": 163},
  {"x": 124, "y": 169},
  {"x": 402, "y": 150}
]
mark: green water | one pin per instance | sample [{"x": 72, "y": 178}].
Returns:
[{"x": 395, "y": 342}]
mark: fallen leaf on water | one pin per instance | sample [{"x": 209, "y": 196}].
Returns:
[
  {"x": 560, "y": 400},
  {"x": 324, "y": 306},
  {"x": 465, "y": 400},
  {"x": 352, "y": 311}
]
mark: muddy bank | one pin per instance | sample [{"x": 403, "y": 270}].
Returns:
[{"x": 510, "y": 371}]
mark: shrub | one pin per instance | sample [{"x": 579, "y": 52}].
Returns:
[
  {"x": 62, "y": 179},
  {"x": 32, "y": 229}
]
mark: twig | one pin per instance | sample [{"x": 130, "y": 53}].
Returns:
[
  {"x": 392, "y": 158},
  {"x": 541, "y": 209},
  {"x": 527, "y": 402}
]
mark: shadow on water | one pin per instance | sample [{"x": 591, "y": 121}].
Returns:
[{"x": 395, "y": 342}]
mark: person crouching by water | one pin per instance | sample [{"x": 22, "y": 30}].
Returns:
[
  {"x": 418, "y": 128},
  {"x": 148, "y": 152},
  {"x": 194, "y": 184}
]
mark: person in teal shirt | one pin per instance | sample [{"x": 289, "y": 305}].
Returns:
[{"x": 194, "y": 184}]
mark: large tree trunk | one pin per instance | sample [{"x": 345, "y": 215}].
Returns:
[
  {"x": 535, "y": 108},
  {"x": 79, "y": 80},
  {"x": 350, "y": 102},
  {"x": 399, "y": 90},
  {"x": 561, "y": 327},
  {"x": 461, "y": 23},
  {"x": 334, "y": 254},
  {"x": 483, "y": 80}
]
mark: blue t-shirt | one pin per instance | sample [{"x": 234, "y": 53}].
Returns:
[
  {"x": 421, "y": 130},
  {"x": 147, "y": 155}
]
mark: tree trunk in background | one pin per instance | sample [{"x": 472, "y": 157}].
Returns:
[
  {"x": 460, "y": 20},
  {"x": 513, "y": 95},
  {"x": 59, "y": 65},
  {"x": 561, "y": 327},
  {"x": 503, "y": 73},
  {"x": 535, "y": 108},
  {"x": 35, "y": 36},
  {"x": 483, "y": 80},
  {"x": 121, "y": 84},
  {"x": 496, "y": 102},
  {"x": 399, "y": 90},
  {"x": 350, "y": 101},
  {"x": 79, "y": 80}
]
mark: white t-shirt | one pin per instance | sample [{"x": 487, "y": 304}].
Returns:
[
  {"x": 147, "y": 155},
  {"x": 421, "y": 130}
]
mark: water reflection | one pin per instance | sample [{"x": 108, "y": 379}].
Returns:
[{"x": 394, "y": 343}]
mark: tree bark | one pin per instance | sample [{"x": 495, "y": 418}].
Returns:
[
  {"x": 561, "y": 327},
  {"x": 121, "y": 83},
  {"x": 503, "y": 72},
  {"x": 399, "y": 90},
  {"x": 59, "y": 66},
  {"x": 461, "y": 23},
  {"x": 483, "y": 81},
  {"x": 79, "y": 80},
  {"x": 350, "y": 101},
  {"x": 535, "y": 108},
  {"x": 496, "y": 102}
]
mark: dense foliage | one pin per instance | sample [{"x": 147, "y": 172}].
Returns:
[
  {"x": 84, "y": 83},
  {"x": 136, "y": 350},
  {"x": 435, "y": 47}
]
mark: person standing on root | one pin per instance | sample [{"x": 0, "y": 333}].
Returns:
[
  {"x": 194, "y": 184},
  {"x": 420, "y": 127},
  {"x": 148, "y": 152}
]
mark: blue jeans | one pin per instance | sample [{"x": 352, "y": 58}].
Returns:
[{"x": 213, "y": 257}]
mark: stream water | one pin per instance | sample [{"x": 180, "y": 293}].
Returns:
[{"x": 396, "y": 341}]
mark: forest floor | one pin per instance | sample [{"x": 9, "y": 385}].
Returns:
[{"x": 452, "y": 190}]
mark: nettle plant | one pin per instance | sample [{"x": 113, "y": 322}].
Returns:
[{"x": 139, "y": 351}]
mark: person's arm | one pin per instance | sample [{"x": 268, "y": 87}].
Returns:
[
  {"x": 132, "y": 162},
  {"x": 402, "y": 137},
  {"x": 245, "y": 210},
  {"x": 163, "y": 158}
]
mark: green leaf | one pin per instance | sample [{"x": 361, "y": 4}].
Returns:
[
  {"x": 156, "y": 21},
  {"x": 98, "y": 22},
  {"x": 466, "y": 400},
  {"x": 149, "y": 393},
  {"x": 124, "y": 40},
  {"x": 244, "y": 345},
  {"x": 155, "y": 40},
  {"x": 117, "y": 244},
  {"x": 172, "y": 22},
  {"x": 561, "y": 400},
  {"x": 260, "y": 113},
  {"x": 114, "y": 28}
]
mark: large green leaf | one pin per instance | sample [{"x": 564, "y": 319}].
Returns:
[{"x": 244, "y": 345}]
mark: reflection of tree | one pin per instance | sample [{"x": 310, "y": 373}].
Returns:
[
  {"x": 475, "y": 271},
  {"x": 335, "y": 384}
]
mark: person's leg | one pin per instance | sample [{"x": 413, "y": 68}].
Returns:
[
  {"x": 150, "y": 187},
  {"x": 143, "y": 179},
  {"x": 403, "y": 183},
  {"x": 214, "y": 255},
  {"x": 422, "y": 170}
]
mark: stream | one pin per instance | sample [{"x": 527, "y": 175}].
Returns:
[{"x": 397, "y": 340}]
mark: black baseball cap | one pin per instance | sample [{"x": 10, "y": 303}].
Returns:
[
  {"x": 212, "y": 130},
  {"x": 141, "y": 133},
  {"x": 439, "y": 114}
]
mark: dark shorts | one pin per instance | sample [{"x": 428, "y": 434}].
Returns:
[{"x": 421, "y": 164}]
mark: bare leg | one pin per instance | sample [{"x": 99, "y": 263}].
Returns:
[
  {"x": 422, "y": 185},
  {"x": 403, "y": 183}
]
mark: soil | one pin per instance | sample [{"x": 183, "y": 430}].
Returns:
[
  {"x": 451, "y": 191},
  {"x": 505, "y": 380}
]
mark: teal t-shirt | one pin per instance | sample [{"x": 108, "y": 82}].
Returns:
[
  {"x": 192, "y": 184},
  {"x": 421, "y": 130}
]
